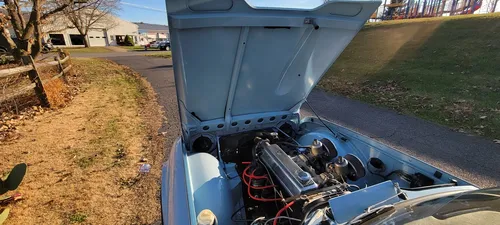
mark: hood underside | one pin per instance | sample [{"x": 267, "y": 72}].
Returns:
[{"x": 233, "y": 57}]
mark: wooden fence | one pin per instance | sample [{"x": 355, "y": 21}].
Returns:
[{"x": 37, "y": 83}]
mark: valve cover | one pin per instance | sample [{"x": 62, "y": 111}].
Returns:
[{"x": 293, "y": 179}]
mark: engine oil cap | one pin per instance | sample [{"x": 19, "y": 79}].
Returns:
[{"x": 206, "y": 217}]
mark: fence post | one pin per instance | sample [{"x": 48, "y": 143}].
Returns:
[
  {"x": 35, "y": 78},
  {"x": 60, "y": 53},
  {"x": 61, "y": 68},
  {"x": 63, "y": 55}
]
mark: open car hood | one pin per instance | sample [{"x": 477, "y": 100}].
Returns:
[{"x": 233, "y": 57}]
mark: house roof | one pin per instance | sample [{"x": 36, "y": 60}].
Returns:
[{"x": 149, "y": 26}]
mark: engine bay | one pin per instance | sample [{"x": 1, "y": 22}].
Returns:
[
  {"x": 288, "y": 175},
  {"x": 280, "y": 171}
]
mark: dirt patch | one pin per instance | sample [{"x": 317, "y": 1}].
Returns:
[{"x": 83, "y": 159}]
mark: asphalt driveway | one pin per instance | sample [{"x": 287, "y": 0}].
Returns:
[{"x": 473, "y": 158}]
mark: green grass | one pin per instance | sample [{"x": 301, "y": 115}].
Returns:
[
  {"x": 85, "y": 162},
  {"x": 446, "y": 70},
  {"x": 137, "y": 48},
  {"x": 88, "y": 50},
  {"x": 163, "y": 54},
  {"x": 77, "y": 218}
]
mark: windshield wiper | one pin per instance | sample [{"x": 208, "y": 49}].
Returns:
[{"x": 370, "y": 214}]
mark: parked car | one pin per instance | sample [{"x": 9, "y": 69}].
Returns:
[
  {"x": 154, "y": 44},
  {"x": 164, "y": 45},
  {"x": 247, "y": 156},
  {"x": 4, "y": 46},
  {"x": 4, "y": 50}
]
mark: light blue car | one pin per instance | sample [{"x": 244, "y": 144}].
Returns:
[{"x": 243, "y": 68}]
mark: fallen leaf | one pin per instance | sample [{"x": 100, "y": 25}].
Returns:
[{"x": 482, "y": 117}]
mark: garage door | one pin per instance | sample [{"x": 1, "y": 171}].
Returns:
[{"x": 97, "y": 38}]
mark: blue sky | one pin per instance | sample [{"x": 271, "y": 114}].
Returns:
[{"x": 148, "y": 11}]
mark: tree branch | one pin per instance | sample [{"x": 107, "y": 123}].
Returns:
[
  {"x": 20, "y": 14},
  {"x": 5, "y": 32},
  {"x": 14, "y": 18},
  {"x": 59, "y": 8},
  {"x": 95, "y": 11}
]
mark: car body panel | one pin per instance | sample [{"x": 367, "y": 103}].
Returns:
[
  {"x": 222, "y": 184},
  {"x": 164, "y": 45},
  {"x": 175, "y": 191},
  {"x": 222, "y": 61},
  {"x": 242, "y": 68},
  {"x": 365, "y": 148},
  {"x": 154, "y": 44}
]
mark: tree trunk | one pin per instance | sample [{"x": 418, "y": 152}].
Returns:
[
  {"x": 36, "y": 48},
  {"x": 28, "y": 33},
  {"x": 86, "y": 41},
  {"x": 23, "y": 49},
  {"x": 494, "y": 6}
]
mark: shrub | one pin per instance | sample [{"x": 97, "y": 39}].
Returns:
[{"x": 129, "y": 41}]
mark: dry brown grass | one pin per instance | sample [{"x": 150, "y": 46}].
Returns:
[
  {"x": 56, "y": 93},
  {"x": 83, "y": 159},
  {"x": 56, "y": 90},
  {"x": 10, "y": 84}
]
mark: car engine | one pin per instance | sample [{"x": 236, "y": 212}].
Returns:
[{"x": 278, "y": 173}]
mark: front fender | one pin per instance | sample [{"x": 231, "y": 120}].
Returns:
[
  {"x": 194, "y": 182},
  {"x": 174, "y": 189}
]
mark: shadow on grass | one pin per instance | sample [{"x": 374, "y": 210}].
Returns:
[
  {"x": 444, "y": 71},
  {"x": 160, "y": 67}
]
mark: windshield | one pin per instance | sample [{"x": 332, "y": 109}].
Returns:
[{"x": 476, "y": 207}]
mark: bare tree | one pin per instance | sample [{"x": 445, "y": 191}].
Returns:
[
  {"x": 27, "y": 25},
  {"x": 95, "y": 14}
]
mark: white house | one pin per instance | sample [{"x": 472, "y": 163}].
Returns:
[
  {"x": 110, "y": 32},
  {"x": 152, "y": 32}
]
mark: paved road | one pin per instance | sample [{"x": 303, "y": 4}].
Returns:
[{"x": 472, "y": 158}]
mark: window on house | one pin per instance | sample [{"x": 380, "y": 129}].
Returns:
[
  {"x": 91, "y": 37},
  {"x": 76, "y": 39},
  {"x": 57, "y": 39}
]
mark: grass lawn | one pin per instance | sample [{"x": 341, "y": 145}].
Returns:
[
  {"x": 83, "y": 158},
  {"x": 88, "y": 50},
  {"x": 446, "y": 70},
  {"x": 137, "y": 48},
  {"x": 163, "y": 54}
]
